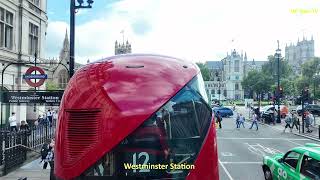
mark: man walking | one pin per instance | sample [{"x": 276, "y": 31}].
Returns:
[
  {"x": 295, "y": 120},
  {"x": 219, "y": 119},
  {"x": 241, "y": 120},
  {"x": 308, "y": 122},
  {"x": 254, "y": 121},
  {"x": 13, "y": 122},
  {"x": 238, "y": 120},
  {"x": 288, "y": 121}
]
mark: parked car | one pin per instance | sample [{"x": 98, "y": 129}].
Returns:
[
  {"x": 284, "y": 110},
  {"x": 313, "y": 108},
  {"x": 224, "y": 111},
  {"x": 298, "y": 163}
]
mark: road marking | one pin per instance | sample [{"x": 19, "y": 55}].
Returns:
[
  {"x": 241, "y": 162},
  {"x": 295, "y": 143},
  {"x": 276, "y": 128},
  {"x": 261, "y": 150},
  {"x": 235, "y": 138},
  {"x": 226, "y": 154},
  {"x": 225, "y": 170}
]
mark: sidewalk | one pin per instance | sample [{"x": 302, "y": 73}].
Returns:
[
  {"x": 32, "y": 170},
  {"x": 315, "y": 129}
]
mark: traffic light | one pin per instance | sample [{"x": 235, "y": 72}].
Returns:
[{"x": 305, "y": 94}]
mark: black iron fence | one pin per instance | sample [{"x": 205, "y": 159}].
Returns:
[{"x": 15, "y": 146}]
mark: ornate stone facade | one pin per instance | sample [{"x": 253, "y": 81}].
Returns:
[
  {"x": 123, "y": 48},
  {"x": 228, "y": 75},
  {"x": 299, "y": 53}
]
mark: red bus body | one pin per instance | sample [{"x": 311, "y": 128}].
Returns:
[{"x": 108, "y": 100}]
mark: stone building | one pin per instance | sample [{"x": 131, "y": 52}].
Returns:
[
  {"x": 23, "y": 26},
  {"x": 123, "y": 48},
  {"x": 227, "y": 75},
  {"x": 299, "y": 53},
  {"x": 60, "y": 72}
]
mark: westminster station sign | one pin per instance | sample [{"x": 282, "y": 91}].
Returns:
[{"x": 33, "y": 97}]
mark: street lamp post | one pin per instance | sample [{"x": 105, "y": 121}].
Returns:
[
  {"x": 219, "y": 79},
  {"x": 73, "y": 8},
  {"x": 315, "y": 79},
  {"x": 278, "y": 54}
]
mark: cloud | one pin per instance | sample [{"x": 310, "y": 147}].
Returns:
[
  {"x": 196, "y": 30},
  {"x": 141, "y": 27},
  {"x": 54, "y": 40}
]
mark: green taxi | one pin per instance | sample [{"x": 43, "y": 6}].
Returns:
[{"x": 300, "y": 163}]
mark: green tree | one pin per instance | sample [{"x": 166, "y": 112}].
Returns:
[
  {"x": 310, "y": 68},
  {"x": 288, "y": 86},
  {"x": 271, "y": 68},
  {"x": 204, "y": 71},
  {"x": 300, "y": 83},
  {"x": 51, "y": 85},
  {"x": 258, "y": 82}
]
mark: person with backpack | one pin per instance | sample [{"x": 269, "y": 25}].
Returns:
[{"x": 219, "y": 119}]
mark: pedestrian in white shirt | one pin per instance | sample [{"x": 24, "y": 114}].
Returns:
[
  {"x": 254, "y": 121},
  {"x": 13, "y": 122}
]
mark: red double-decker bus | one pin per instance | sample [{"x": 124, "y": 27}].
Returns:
[{"x": 136, "y": 116}]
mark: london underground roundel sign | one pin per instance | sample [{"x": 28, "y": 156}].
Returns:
[{"x": 28, "y": 76}]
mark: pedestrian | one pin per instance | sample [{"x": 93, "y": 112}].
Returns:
[
  {"x": 50, "y": 159},
  {"x": 44, "y": 152},
  {"x": 241, "y": 120},
  {"x": 55, "y": 116},
  {"x": 311, "y": 118},
  {"x": 13, "y": 122},
  {"x": 254, "y": 121},
  {"x": 308, "y": 122},
  {"x": 295, "y": 120},
  {"x": 49, "y": 117},
  {"x": 48, "y": 153},
  {"x": 238, "y": 120},
  {"x": 36, "y": 126},
  {"x": 24, "y": 126},
  {"x": 219, "y": 119},
  {"x": 40, "y": 119},
  {"x": 274, "y": 115},
  {"x": 288, "y": 121}
]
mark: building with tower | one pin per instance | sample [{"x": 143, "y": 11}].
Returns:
[
  {"x": 123, "y": 48},
  {"x": 227, "y": 74},
  {"x": 23, "y": 27},
  {"x": 59, "y": 74},
  {"x": 299, "y": 53}
]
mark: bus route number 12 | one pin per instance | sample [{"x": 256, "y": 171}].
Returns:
[{"x": 135, "y": 159}]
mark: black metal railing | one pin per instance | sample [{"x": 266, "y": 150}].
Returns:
[{"x": 14, "y": 146}]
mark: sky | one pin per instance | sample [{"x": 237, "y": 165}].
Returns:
[{"x": 198, "y": 31}]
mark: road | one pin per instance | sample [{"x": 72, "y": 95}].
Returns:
[{"x": 241, "y": 151}]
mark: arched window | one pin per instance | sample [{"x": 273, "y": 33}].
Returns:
[{"x": 63, "y": 78}]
